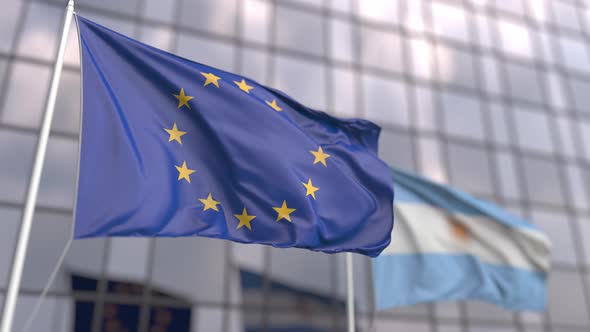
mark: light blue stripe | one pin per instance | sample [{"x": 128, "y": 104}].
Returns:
[
  {"x": 415, "y": 278},
  {"x": 414, "y": 189}
]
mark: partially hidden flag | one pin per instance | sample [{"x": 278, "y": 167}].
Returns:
[
  {"x": 170, "y": 147},
  {"x": 447, "y": 245}
]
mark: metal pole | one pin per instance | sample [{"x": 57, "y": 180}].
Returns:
[
  {"x": 349, "y": 293},
  {"x": 29, "y": 209}
]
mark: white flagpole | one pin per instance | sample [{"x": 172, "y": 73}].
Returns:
[
  {"x": 29, "y": 209},
  {"x": 349, "y": 293}
]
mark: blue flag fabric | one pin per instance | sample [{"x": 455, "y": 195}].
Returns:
[{"x": 171, "y": 147}]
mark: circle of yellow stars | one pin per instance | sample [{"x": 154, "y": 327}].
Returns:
[{"x": 209, "y": 203}]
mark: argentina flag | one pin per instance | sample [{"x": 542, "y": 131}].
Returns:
[
  {"x": 448, "y": 245},
  {"x": 170, "y": 148}
]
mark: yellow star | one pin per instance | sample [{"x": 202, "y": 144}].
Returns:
[
  {"x": 211, "y": 79},
  {"x": 274, "y": 105},
  {"x": 175, "y": 134},
  {"x": 244, "y": 86},
  {"x": 209, "y": 203},
  {"x": 244, "y": 219},
  {"x": 183, "y": 99},
  {"x": 320, "y": 156},
  {"x": 310, "y": 188},
  {"x": 184, "y": 172},
  {"x": 284, "y": 212}
]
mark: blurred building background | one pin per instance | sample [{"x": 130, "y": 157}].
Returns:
[{"x": 490, "y": 96}]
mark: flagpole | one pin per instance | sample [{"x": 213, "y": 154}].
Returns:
[
  {"x": 33, "y": 189},
  {"x": 349, "y": 293}
]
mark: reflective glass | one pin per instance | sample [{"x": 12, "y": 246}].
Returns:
[
  {"x": 450, "y": 22},
  {"x": 515, "y": 39},
  {"x": 25, "y": 97},
  {"x": 565, "y": 15},
  {"x": 577, "y": 177},
  {"x": 509, "y": 182},
  {"x": 575, "y": 54},
  {"x": 128, "y": 258},
  {"x": 477, "y": 310},
  {"x": 547, "y": 191},
  {"x": 299, "y": 30},
  {"x": 381, "y": 49},
  {"x": 386, "y": 11},
  {"x": 217, "y": 17},
  {"x": 10, "y": 219},
  {"x": 343, "y": 93},
  {"x": 566, "y": 138},
  {"x": 206, "y": 51},
  {"x": 557, "y": 97},
  {"x": 67, "y": 107},
  {"x": 426, "y": 117},
  {"x": 524, "y": 83},
  {"x": 470, "y": 168},
  {"x": 16, "y": 150},
  {"x": 59, "y": 173},
  {"x": 158, "y": 37},
  {"x": 431, "y": 162},
  {"x": 114, "y": 6},
  {"x": 304, "y": 81},
  {"x": 584, "y": 130},
  {"x": 498, "y": 115},
  {"x": 49, "y": 235},
  {"x": 9, "y": 16},
  {"x": 455, "y": 66},
  {"x": 397, "y": 149},
  {"x": 580, "y": 94},
  {"x": 584, "y": 233},
  {"x": 385, "y": 100},
  {"x": 422, "y": 52},
  {"x": 533, "y": 130},
  {"x": 491, "y": 77},
  {"x": 510, "y": 6},
  {"x": 384, "y": 325},
  {"x": 54, "y": 313},
  {"x": 341, "y": 47},
  {"x": 462, "y": 115},
  {"x": 566, "y": 302},
  {"x": 254, "y": 64},
  {"x": 39, "y": 36},
  {"x": 556, "y": 225},
  {"x": 484, "y": 32},
  {"x": 160, "y": 10},
  {"x": 255, "y": 21}
]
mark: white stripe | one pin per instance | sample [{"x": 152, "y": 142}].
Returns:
[{"x": 421, "y": 228}]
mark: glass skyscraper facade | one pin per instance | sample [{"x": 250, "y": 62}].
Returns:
[{"x": 490, "y": 96}]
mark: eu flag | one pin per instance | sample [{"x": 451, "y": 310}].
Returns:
[{"x": 170, "y": 147}]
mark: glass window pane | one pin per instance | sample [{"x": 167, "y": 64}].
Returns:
[
  {"x": 509, "y": 187},
  {"x": 499, "y": 124},
  {"x": 547, "y": 191},
  {"x": 381, "y": 49},
  {"x": 115, "y": 6},
  {"x": 254, "y": 64},
  {"x": 160, "y": 10},
  {"x": 396, "y": 149},
  {"x": 179, "y": 268},
  {"x": 385, "y": 100},
  {"x": 39, "y": 36},
  {"x": 218, "y": 17},
  {"x": 576, "y": 178},
  {"x": 557, "y": 96},
  {"x": 490, "y": 75},
  {"x": 86, "y": 257},
  {"x": 25, "y": 98},
  {"x": 10, "y": 219},
  {"x": 59, "y": 173},
  {"x": 207, "y": 319},
  {"x": 15, "y": 170},
  {"x": 580, "y": 95},
  {"x": 384, "y": 325},
  {"x": 255, "y": 21},
  {"x": 426, "y": 117},
  {"x": 386, "y": 11},
  {"x": 515, "y": 39},
  {"x": 54, "y": 313},
  {"x": 128, "y": 259},
  {"x": 158, "y": 37},
  {"x": 470, "y": 169},
  {"x": 455, "y": 66},
  {"x": 450, "y": 22},
  {"x": 9, "y": 16},
  {"x": 512, "y": 6},
  {"x": 67, "y": 106},
  {"x": 49, "y": 235},
  {"x": 341, "y": 40},
  {"x": 122, "y": 26},
  {"x": 344, "y": 92},
  {"x": 584, "y": 128},
  {"x": 477, "y": 310},
  {"x": 566, "y": 138},
  {"x": 340, "y": 5},
  {"x": 547, "y": 49},
  {"x": 299, "y": 31},
  {"x": 575, "y": 54},
  {"x": 206, "y": 51},
  {"x": 483, "y": 29},
  {"x": 533, "y": 130},
  {"x": 524, "y": 83},
  {"x": 584, "y": 229},
  {"x": 557, "y": 227},
  {"x": 304, "y": 81},
  {"x": 462, "y": 115},
  {"x": 422, "y": 58},
  {"x": 566, "y": 300},
  {"x": 565, "y": 15},
  {"x": 431, "y": 165}
]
